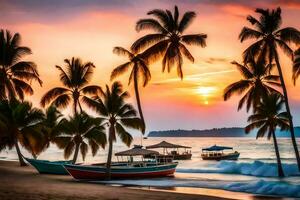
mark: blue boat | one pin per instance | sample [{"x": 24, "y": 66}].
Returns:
[
  {"x": 49, "y": 167},
  {"x": 218, "y": 153}
]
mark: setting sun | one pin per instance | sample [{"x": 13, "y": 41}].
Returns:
[{"x": 205, "y": 91}]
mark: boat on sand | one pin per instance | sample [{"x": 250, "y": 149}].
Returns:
[
  {"x": 125, "y": 170},
  {"x": 49, "y": 167}
]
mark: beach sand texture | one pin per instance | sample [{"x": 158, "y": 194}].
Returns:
[{"x": 25, "y": 183}]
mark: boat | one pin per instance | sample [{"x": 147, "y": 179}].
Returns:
[
  {"x": 49, "y": 167},
  {"x": 125, "y": 170},
  {"x": 177, "y": 155},
  {"x": 219, "y": 153}
]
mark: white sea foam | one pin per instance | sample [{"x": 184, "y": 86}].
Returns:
[
  {"x": 261, "y": 187},
  {"x": 266, "y": 188},
  {"x": 256, "y": 168}
]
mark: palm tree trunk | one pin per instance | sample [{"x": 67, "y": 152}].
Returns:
[
  {"x": 138, "y": 101},
  {"x": 288, "y": 110},
  {"x": 76, "y": 153},
  {"x": 279, "y": 165},
  {"x": 110, "y": 148},
  {"x": 75, "y": 107},
  {"x": 80, "y": 108},
  {"x": 20, "y": 156}
]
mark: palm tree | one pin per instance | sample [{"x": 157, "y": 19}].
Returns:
[
  {"x": 117, "y": 114},
  {"x": 296, "y": 65},
  {"x": 50, "y": 126},
  {"x": 139, "y": 71},
  {"x": 168, "y": 40},
  {"x": 20, "y": 123},
  {"x": 267, "y": 118},
  {"x": 75, "y": 78},
  {"x": 15, "y": 74},
  {"x": 76, "y": 132},
  {"x": 269, "y": 37},
  {"x": 255, "y": 82}
]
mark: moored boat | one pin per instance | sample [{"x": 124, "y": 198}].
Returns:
[
  {"x": 218, "y": 153},
  {"x": 125, "y": 170},
  {"x": 49, "y": 167},
  {"x": 177, "y": 155}
]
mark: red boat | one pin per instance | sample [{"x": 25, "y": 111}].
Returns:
[{"x": 125, "y": 170}]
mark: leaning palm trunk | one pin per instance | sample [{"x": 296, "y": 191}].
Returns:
[
  {"x": 20, "y": 156},
  {"x": 75, "y": 154},
  {"x": 286, "y": 101},
  {"x": 279, "y": 165},
  {"x": 110, "y": 147},
  {"x": 138, "y": 101}
]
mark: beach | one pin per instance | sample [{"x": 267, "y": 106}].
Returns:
[{"x": 25, "y": 183}]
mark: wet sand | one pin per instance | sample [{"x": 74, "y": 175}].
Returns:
[{"x": 18, "y": 183}]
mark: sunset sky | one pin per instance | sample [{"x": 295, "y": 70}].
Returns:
[{"x": 59, "y": 29}]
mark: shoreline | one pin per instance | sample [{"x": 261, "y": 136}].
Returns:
[{"x": 25, "y": 183}]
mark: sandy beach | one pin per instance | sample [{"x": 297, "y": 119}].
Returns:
[{"x": 25, "y": 183}]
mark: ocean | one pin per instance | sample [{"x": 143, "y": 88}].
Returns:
[{"x": 255, "y": 172}]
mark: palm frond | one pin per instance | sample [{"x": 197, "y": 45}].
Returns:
[
  {"x": 53, "y": 94},
  {"x": 124, "y": 135},
  {"x": 151, "y": 24},
  {"x": 195, "y": 39},
  {"x": 147, "y": 41},
  {"x": 120, "y": 70},
  {"x": 186, "y": 53},
  {"x": 248, "y": 33},
  {"x": 236, "y": 88},
  {"x": 83, "y": 150},
  {"x": 186, "y": 20}
]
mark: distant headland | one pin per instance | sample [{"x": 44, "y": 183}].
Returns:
[{"x": 215, "y": 132}]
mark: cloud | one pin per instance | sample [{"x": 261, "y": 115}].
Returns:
[
  {"x": 214, "y": 60},
  {"x": 194, "y": 77},
  {"x": 13, "y": 11}
]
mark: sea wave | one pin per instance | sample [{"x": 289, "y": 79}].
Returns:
[
  {"x": 256, "y": 168},
  {"x": 262, "y": 187}
]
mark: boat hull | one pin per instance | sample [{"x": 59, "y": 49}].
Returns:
[
  {"x": 232, "y": 156},
  {"x": 99, "y": 172},
  {"x": 48, "y": 167}
]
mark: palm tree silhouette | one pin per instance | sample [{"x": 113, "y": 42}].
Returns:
[
  {"x": 75, "y": 78},
  {"x": 269, "y": 37},
  {"x": 50, "y": 126},
  {"x": 267, "y": 118},
  {"x": 15, "y": 74},
  {"x": 296, "y": 65},
  {"x": 168, "y": 40},
  {"x": 255, "y": 82},
  {"x": 139, "y": 71},
  {"x": 20, "y": 123},
  {"x": 76, "y": 132},
  {"x": 117, "y": 114}
]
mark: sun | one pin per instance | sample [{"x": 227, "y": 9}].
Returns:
[{"x": 205, "y": 90}]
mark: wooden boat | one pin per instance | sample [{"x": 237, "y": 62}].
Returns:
[
  {"x": 177, "y": 155},
  {"x": 124, "y": 170},
  {"x": 217, "y": 153},
  {"x": 49, "y": 167}
]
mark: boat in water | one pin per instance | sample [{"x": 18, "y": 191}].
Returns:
[
  {"x": 175, "y": 153},
  {"x": 219, "y": 153},
  {"x": 125, "y": 170},
  {"x": 49, "y": 167}
]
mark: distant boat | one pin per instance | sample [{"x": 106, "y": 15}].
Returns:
[
  {"x": 177, "y": 155},
  {"x": 49, "y": 167},
  {"x": 125, "y": 170},
  {"x": 217, "y": 153}
]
